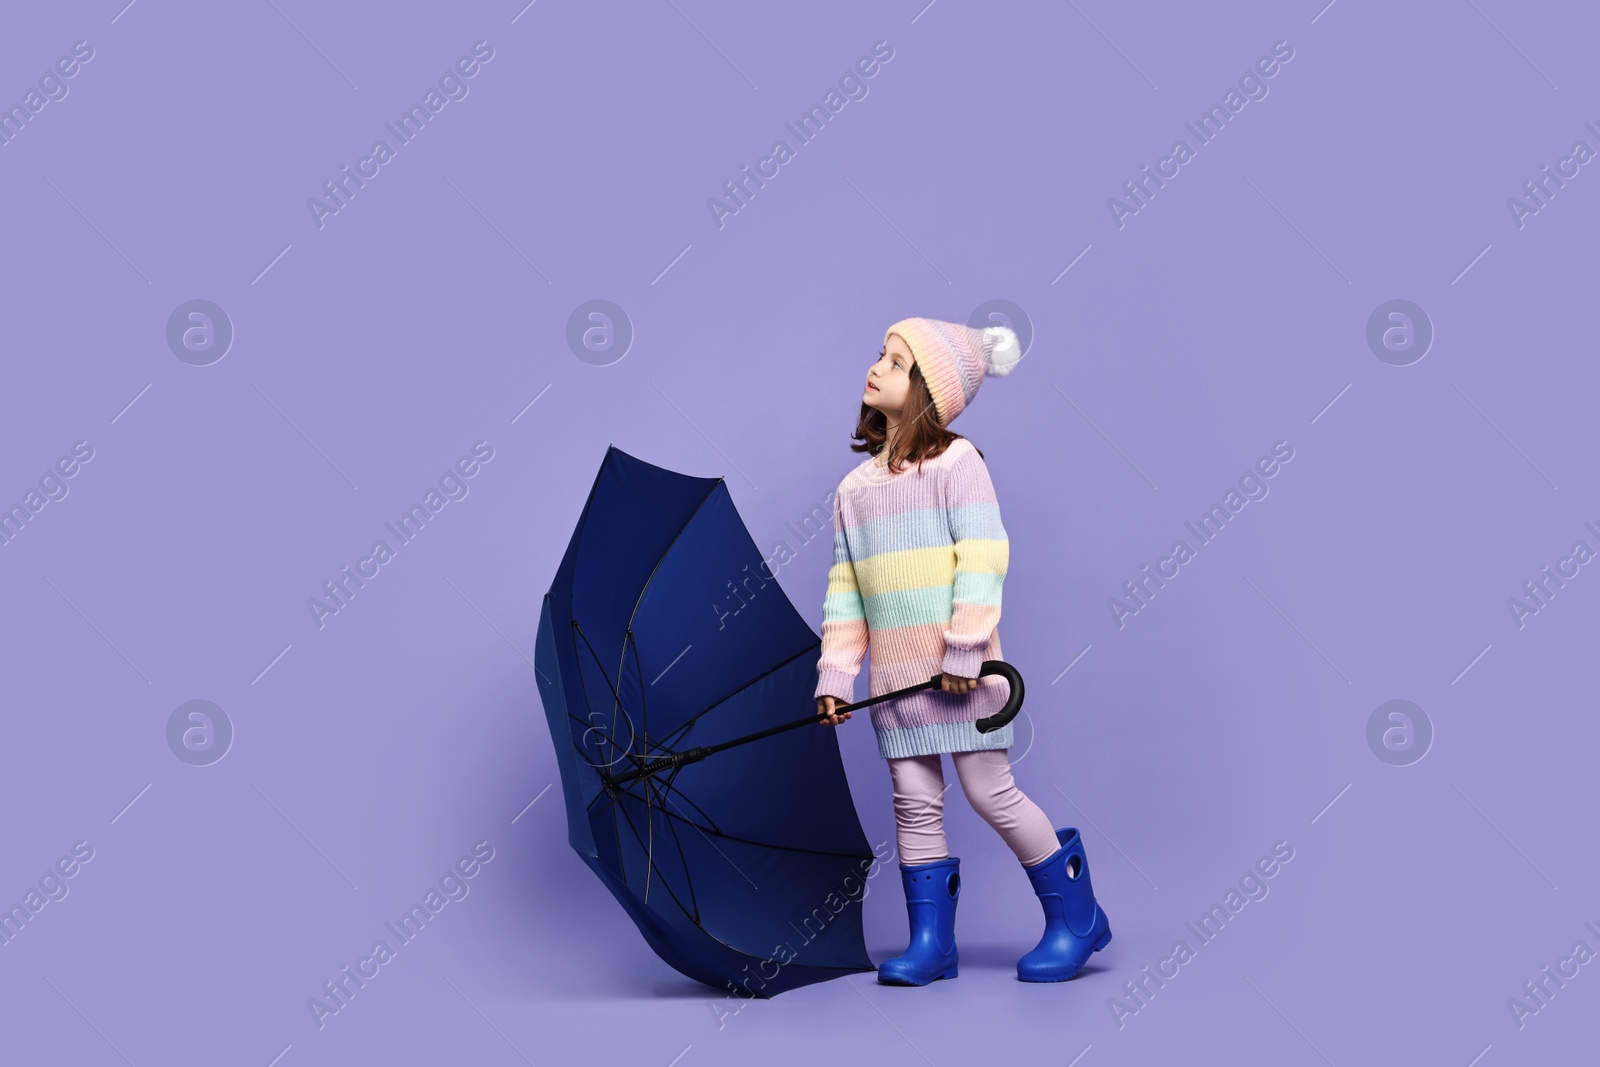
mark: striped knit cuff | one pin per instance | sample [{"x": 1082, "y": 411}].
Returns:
[
  {"x": 962, "y": 662},
  {"x": 836, "y": 684}
]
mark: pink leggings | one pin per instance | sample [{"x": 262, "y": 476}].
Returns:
[{"x": 986, "y": 780}]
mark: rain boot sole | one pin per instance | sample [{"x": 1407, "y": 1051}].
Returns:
[
  {"x": 948, "y": 972},
  {"x": 1105, "y": 939}
]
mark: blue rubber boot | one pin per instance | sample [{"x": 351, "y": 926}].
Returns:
[
  {"x": 1074, "y": 925},
  {"x": 931, "y": 893}
]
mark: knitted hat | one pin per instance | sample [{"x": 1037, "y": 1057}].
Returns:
[{"x": 954, "y": 359}]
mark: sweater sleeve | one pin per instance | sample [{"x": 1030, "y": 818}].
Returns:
[
  {"x": 844, "y": 622},
  {"x": 982, "y": 554}
]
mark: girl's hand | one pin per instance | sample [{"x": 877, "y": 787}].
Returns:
[
  {"x": 825, "y": 705},
  {"x": 951, "y": 684}
]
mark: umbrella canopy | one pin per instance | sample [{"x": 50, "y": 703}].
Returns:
[{"x": 664, "y": 631}]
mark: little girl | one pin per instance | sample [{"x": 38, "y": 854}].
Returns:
[{"x": 919, "y": 555}]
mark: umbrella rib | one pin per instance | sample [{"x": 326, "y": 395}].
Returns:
[
  {"x": 616, "y": 829},
  {"x": 594, "y": 802},
  {"x": 587, "y": 726},
  {"x": 630, "y": 641},
  {"x": 616, "y": 842},
  {"x": 669, "y": 786},
  {"x": 688, "y": 879},
  {"x": 582, "y": 681},
  {"x": 672, "y": 735},
  {"x": 616, "y": 698},
  {"x": 615, "y": 809},
  {"x": 668, "y": 551},
  {"x": 638, "y": 758},
  {"x": 617, "y": 704},
  {"x": 751, "y": 841},
  {"x": 589, "y": 808},
  {"x": 694, "y": 916},
  {"x": 645, "y": 588},
  {"x": 616, "y": 701}
]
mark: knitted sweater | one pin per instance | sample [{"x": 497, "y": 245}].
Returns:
[{"x": 918, "y": 561}]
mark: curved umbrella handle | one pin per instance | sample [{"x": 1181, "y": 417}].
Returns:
[{"x": 1013, "y": 704}]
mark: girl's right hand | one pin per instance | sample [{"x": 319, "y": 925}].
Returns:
[{"x": 825, "y": 706}]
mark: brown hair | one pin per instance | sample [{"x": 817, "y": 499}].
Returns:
[{"x": 920, "y": 437}]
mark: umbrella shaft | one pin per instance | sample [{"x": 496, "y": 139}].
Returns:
[
  {"x": 697, "y": 754},
  {"x": 694, "y": 755}
]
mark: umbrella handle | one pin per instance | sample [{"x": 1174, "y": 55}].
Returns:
[{"x": 1013, "y": 704}]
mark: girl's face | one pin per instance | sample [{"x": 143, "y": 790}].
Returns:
[{"x": 889, "y": 379}]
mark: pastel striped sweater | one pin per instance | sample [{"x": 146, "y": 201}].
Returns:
[{"x": 918, "y": 561}]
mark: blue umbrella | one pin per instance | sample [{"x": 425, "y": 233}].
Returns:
[{"x": 661, "y": 644}]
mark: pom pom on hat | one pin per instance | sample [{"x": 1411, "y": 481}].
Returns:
[
  {"x": 1005, "y": 354},
  {"x": 956, "y": 358}
]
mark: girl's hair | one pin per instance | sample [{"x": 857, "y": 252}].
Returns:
[{"x": 920, "y": 437}]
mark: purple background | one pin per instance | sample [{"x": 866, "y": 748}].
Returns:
[{"x": 431, "y": 312}]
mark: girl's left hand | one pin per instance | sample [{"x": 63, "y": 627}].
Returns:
[{"x": 951, "y": 684}]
